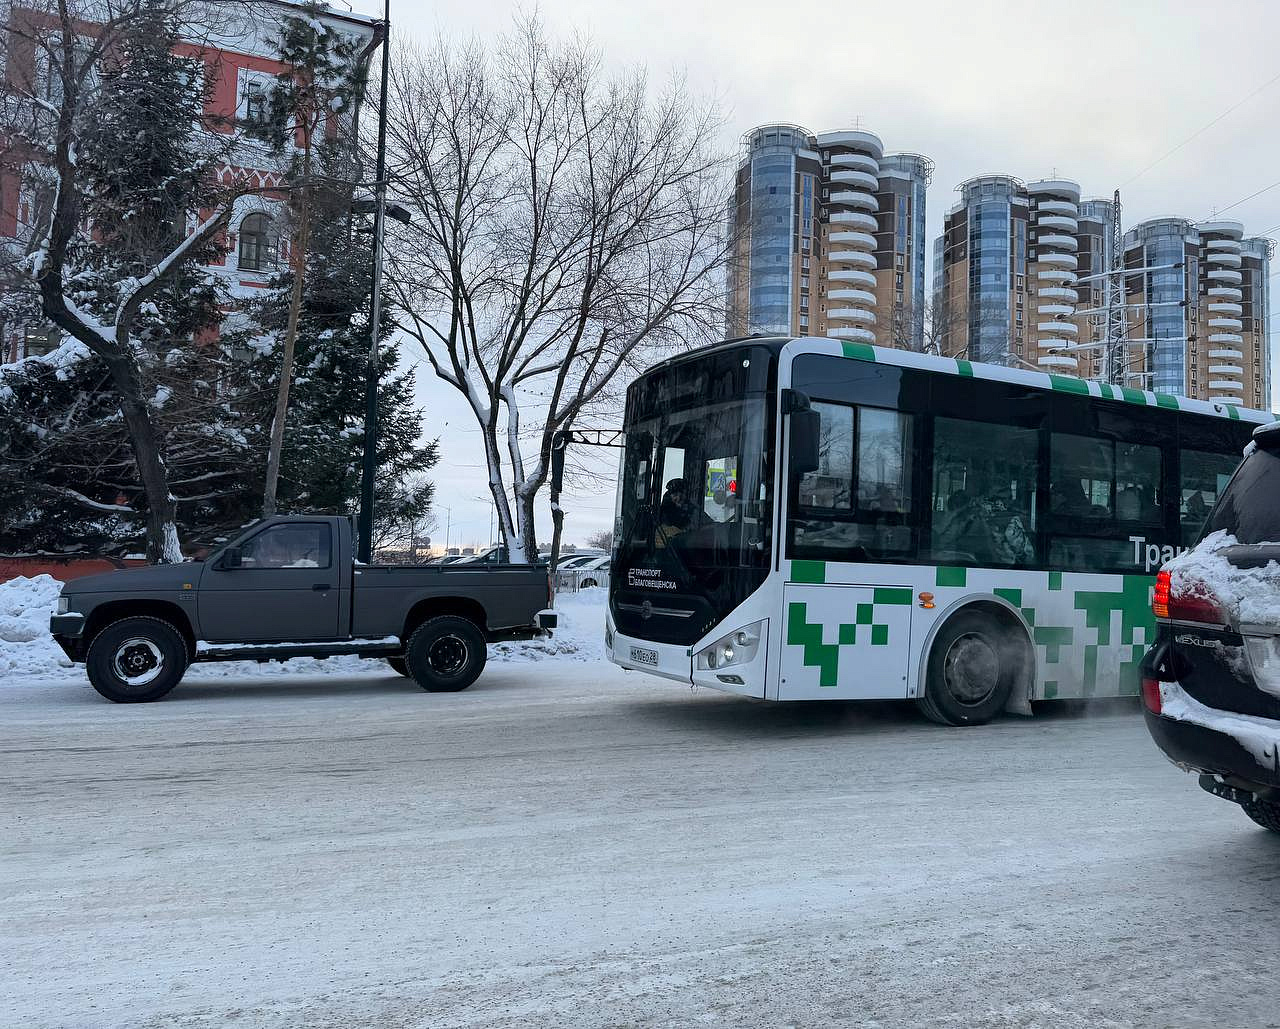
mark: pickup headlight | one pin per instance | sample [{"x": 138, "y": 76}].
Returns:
[
  {"x": 64, "y": 605},
  {"x": 738, "y": 648}
]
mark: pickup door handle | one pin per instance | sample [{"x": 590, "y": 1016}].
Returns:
[{"x": 322, "y": 587}]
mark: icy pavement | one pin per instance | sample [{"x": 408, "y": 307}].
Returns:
[{"x": 566, "y": 845}]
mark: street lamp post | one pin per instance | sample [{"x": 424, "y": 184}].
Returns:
[{"x": 365, "y": 525}]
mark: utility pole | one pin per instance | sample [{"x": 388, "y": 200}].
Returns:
[
  {"x": 1116, "y": 359},
  {"x": 365, "y": 524}
]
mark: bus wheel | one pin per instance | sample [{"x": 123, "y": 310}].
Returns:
[{"x": 972, "y": 670}]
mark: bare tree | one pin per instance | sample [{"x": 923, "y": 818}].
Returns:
[
  {"x": 58, "y": 49},
  {"x": 568, "y": 226}
]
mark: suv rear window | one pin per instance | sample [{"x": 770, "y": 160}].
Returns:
[{"x": 1250, "y": 507}]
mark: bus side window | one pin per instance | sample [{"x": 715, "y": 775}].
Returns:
[
  {"x": 1204, "y": 476},
  {"x": 831, "y": 486},
  {"x": 983, "y": 501}
]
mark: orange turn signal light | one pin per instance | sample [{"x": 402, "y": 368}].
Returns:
[{"x": 926, "y": 600}]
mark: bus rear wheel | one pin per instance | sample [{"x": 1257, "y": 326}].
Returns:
[{"x": 972, "y": 671}]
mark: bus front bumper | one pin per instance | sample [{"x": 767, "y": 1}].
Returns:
[{"x": 668, "y": 660}]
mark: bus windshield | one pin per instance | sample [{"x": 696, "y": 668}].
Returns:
[{"x": 694, "y": 516}]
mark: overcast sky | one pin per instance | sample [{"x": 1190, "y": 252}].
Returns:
[{"x": 1093, "y": 91}]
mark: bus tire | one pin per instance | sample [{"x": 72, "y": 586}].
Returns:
[
  {"x": 446, "y": 654},
  {"x": 136, "y": 660},
  {"x": 971, "y": 672}
]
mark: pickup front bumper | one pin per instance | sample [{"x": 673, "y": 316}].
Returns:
[{"x": 68, "y": 633}]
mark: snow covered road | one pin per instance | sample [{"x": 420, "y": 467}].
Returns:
[{"x": 566, "y": 845}]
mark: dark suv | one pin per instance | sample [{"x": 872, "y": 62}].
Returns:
[{"x": 1211, "y": 684}]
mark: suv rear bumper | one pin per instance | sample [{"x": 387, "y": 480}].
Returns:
[{"x": 1242, "y": 748}]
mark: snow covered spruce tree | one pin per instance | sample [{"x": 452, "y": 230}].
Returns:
[
  {"x": 108, "y": 120},
  {"x": 317, "y": 322},
  {"x": 323, "y": 439},
  {"x": 567, "y": 227}
]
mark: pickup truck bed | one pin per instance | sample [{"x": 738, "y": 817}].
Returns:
[{"x": 288, "y": 587}]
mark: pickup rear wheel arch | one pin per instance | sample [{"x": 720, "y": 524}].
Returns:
[
  {"x": 113, "y": 611},
  {"x": 432, "y": 607}
]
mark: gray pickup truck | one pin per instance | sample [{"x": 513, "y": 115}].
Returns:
[{"x": 288, "y": 587}]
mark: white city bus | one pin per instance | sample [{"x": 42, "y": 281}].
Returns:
[{"x": 802, "y": 519}]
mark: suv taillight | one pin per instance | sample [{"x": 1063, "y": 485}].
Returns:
[
  {"x": 1151, "y": 695},
  {"x": 1192, "y": 602},
  {"x": 1160, "y": 598}
]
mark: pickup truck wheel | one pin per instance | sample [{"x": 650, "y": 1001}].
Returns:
[
  {"x": 399, "y": 667},
  {"x": 1265, "y": 812},
  {"x": 445, "y": 654},
  {"x": 136, "y": 660}
]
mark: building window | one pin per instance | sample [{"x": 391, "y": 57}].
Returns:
[
  {"x": 255, "y": 253},
  {"x": 804, "y": 264}
]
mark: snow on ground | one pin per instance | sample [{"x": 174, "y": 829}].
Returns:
[{"x": 27, "y": 651}]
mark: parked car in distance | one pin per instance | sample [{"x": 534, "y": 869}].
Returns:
[
  {"x": 594, "y": 573},
  {"x": 1211, "y": 683},
  {"x": 289, "y": 587}
]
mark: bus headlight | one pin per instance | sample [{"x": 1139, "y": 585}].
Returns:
[{"x": 738, "y": 648}]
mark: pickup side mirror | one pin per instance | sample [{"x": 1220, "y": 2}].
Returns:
[{"x": 230, "y": 558}]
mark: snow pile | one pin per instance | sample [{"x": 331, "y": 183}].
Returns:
[
  {"x": 1259, "y": 736},
  {"x": 578, "y": 637},
  {"x": 26, "y": 648},
  {"x": 1248, "y": 596}
]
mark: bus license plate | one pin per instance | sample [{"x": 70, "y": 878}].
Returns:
[{"x": 644, "y": 657}]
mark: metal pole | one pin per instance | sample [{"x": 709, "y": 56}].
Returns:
[{"x": 365, "y": 552}]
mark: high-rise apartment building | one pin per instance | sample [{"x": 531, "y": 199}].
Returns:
[
  {"x": 829, "y": 237},
  {"x": 1006, "y": 273},
  {"x": 1200, "y": 299}
]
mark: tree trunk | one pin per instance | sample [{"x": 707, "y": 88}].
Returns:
[
  {"x": 162, "y": 511},
  {"x": 526, "y": 530},
  {"x": 298, "y": 257}
]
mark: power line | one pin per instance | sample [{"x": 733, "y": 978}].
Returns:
[
  {"x": 1202, "y": 130},
  {"x": 1223, "y": 210}
]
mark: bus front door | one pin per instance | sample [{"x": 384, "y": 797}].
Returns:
[{"x": 845, "y": 642}]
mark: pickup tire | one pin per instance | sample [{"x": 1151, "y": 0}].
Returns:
[
  {"x": 399, "y": 667},
  {"x": 445, "y": 654},
  {"x": 136, "y": 660}
]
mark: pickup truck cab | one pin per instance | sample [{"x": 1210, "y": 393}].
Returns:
[{"x": 289, "y": 587}]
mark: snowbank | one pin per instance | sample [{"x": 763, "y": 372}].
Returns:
[
  {"x": 1249, "y": 596},
  {"x": 28, "y": 652}
]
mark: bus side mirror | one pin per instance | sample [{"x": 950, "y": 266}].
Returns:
[{"x": 806, "y": 428}]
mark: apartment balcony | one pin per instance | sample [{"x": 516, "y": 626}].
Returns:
[
  {"x": 1223, "y": 244},
  {"x": 1223, "y": 275},
  {"x": 1055, "y": 343},
  {"x": 853, "y": 219},
  {"x": 1062, "y": 260},
  {"x": 861, "y": 258},
  {"x": 1225, "y": 369},
  {"x": 856, "y": 240},
  {"x": 1226, "y": 292},
  {"x": 1227, "y": 385},
  {"x": 1058, "y": 293},
  {"x": 1057, "y": 221},
  {"x": 851, "y": 314},
  {"x": 1224, "y": 257},
  {"x": 1057, "y": 361},
  {"x": 1226, "y": 337},
  {"x": 1227, "y": 354},
  {"x": 854, "y": 332},
  {"x": 1225, "y": 323},
  {"x": 1056, "y": 275},
  {"x": 1234, "y": 401},
  {"x": 1070, "y": 328},
  {"x": 1054, "y": 310},
  {"x": 1061, "y": 242},
  {"x": 1234, "y": 309},
  {"x": 854, "y": 198},
  {"x": 1063, "y": 207},
  {"x": 858, "y": 162},
  {"x": 853, "y": 275},
  {"x": 852, "y": 296},
  {"x": 853, "y": 177}
]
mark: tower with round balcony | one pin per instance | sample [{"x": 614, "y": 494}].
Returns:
[
  {"x": 1051, "y": 267},
  {"x": 1220, "y": 364},
  {"x": 850, "y": 181}
]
